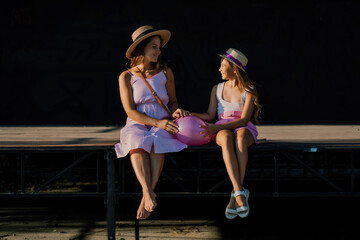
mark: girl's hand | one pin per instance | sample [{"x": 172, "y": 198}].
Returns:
[
  {"x": 168, "y": 125},
  {"x": 210, "y": 129},
  {"x": 180, "y": 113}
]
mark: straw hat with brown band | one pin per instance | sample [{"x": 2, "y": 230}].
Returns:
[
  {"x": 145, "y": 32},
  {"x": 236, "y": 57}
]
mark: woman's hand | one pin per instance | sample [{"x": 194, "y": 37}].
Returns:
[
  {"x": 210, "y": 129},
  {"x": 168, "y": 125},
  {"x": 180, "y": 113}
]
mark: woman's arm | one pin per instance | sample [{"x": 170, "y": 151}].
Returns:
[
  {"x": 170, "y": 88},
  {"x": 130, "y": 108},
  {"x": 211, "y": 112}
]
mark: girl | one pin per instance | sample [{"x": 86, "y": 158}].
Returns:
[
  {"x": 236, "y": 103},
  {"x": 148, "y": 133}
]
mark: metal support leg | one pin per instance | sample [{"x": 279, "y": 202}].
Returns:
[
  {"x": 352, "y": 175},
  {"x": 198, "y": 188},
  {"x": 22, "y": 174},
  {"x": 110, "y": 196},
  {"x": 98, "y": 172},
  {"x": 137, "y": 229},
  {"x": 122, "y": 172},
  {"x": 276, "y": 174}
]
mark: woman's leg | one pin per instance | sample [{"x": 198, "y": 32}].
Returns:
[
  {"x": 153, "y": 163},
  {"x": 141, "y": 164},
  {"x": 156, "y": 165},
  {"x": 243, "y": 140}
]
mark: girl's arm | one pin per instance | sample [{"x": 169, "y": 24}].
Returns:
[
  {"x": 245, "y": 115},
  {"x": 211, "y": 129},
  {"x": 173, "y": 103},
  {"x": 211, "y": 112},
  {"x": 130, "y": 108}
]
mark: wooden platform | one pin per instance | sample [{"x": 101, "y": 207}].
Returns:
[
  {"x": 278, "y": 140},
  {"x": 82, "y": 137}
]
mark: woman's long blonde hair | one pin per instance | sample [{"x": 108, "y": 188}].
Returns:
[
  {"x": 244, "y": 82},
  {"x": 137, "y": 56}
]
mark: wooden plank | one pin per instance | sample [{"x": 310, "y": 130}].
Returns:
[
  {"x": 58, "y": 136},
  {"x": 91, "y": 136},
  {"x": 312, "y": 133}
]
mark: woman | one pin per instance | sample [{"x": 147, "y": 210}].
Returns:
[
  {"x": 235, "y": 101},
  {"x": 148, "y": 133}
]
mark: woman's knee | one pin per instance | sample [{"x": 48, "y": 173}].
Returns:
[{"x": 138, "y": 154}]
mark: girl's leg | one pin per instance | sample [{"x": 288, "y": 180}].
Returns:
[
  {"x": 225, "y": 139},
  {"x": 243, "y": 140}
]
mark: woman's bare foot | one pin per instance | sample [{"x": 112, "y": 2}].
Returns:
[
  {"x": 150, "y": 201},
  {"x": 142, "y": 213}
]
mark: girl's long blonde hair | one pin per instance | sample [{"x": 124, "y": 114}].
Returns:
[{"x": 244, "y": 82}]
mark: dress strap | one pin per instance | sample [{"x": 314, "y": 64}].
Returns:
[
  {"x": 219, "y": 90},
  {"x": 244, "y": 95}
]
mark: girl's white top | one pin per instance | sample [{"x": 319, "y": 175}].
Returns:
[{"x": 225, "y": 106}]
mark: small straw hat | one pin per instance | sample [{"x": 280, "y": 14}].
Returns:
[
  {"x": 236, "y": 57},
  {"x": 144, "y": 32}
]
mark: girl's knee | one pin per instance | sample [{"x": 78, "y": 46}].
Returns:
[
  {"x": 242, "y": 145},
  {"x": 225, "y": 137},
  {"x": 242, "y": 140}
]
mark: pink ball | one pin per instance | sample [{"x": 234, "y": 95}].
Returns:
[{"x": 190, "y": 131}]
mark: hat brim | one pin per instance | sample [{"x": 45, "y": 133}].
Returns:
[
  {"x": 227, "y": 58},
  {"x": 164, "y": 35}
]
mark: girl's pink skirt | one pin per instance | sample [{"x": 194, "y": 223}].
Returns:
[{"x": 230, "y": 116}]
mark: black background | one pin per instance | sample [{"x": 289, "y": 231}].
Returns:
[{"x": 60, "y": 60}]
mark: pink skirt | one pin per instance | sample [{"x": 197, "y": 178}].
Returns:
[{"x": 230, "y": 116}]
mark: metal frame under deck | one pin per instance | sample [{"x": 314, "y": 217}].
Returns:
[
  {"x": 278, "y": 158},
  {"x": 107, "y": 153},
  {"x": 281, "y": 158}
]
